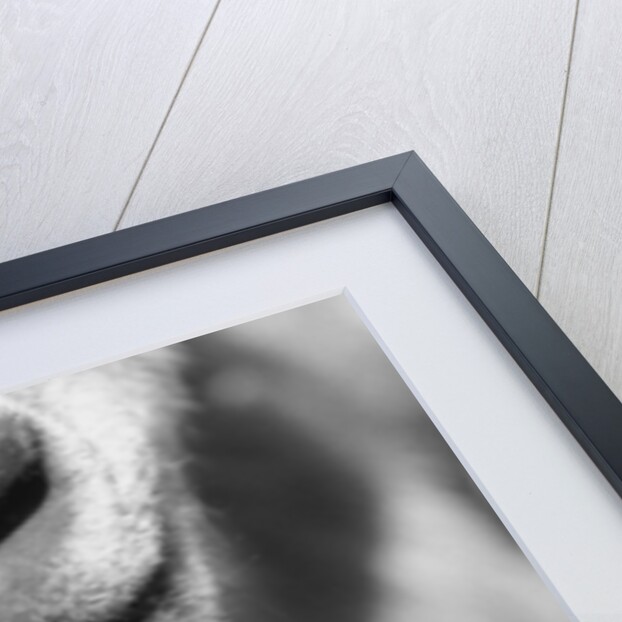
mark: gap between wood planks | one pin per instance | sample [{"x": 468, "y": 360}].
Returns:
[
  {"x": 167, "y": 114},
  {"x": 547, "y": 218}
]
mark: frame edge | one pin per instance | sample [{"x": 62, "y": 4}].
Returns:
[
  {"x": 153, "y": 244},
  {"x": 570, "y": 385}
]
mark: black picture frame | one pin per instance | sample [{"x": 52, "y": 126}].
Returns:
[{"x": 572, "y": 388}]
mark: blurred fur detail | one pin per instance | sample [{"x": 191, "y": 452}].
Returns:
[
  {"x": 279, "y": 471},
  {"x": 117, "y": 513},
  {"x": 299, "y": 519},
  {"x": 162, "y": 507}
]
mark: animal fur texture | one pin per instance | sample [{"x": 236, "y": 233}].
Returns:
[
  {"x": 278, "y": 472},
  {"x": 156, "y": 510},
  {"x": 118, "y": 534}
]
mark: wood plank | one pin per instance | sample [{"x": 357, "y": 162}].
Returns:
[
  {"x": 282, "y": 92},
  {"x": 84, "y": 87},
  {"x": 582, "y": 276}
]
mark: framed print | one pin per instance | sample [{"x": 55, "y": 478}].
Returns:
[{"x": 531, "y": 422}]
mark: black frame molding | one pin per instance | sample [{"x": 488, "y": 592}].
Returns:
[{"x": 581, "y": 399}]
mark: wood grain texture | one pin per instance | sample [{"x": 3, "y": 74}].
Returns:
[
  {"x": 279, "y": 92},
  {"x": 84, "y": 87},
  {"x": 582, "y": 275}
]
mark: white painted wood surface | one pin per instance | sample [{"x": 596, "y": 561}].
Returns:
[
  {"x": 582, "y": 276},
  {"x": 546, "y": 490},
  {"x": 282, "y": 91},
  {"x": 84, "y": 87}
]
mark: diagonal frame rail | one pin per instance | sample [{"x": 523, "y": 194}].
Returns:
[{"x": 565, "y": 379}]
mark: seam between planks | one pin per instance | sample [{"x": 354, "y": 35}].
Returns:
[
  {"x": 547, "y": 218},
  {"x": 166, "y": 115}
]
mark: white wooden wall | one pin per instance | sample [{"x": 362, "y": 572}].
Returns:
[{"x": 115, "y": 113}]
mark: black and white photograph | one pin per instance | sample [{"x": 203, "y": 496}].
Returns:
[
  {"x": 279, "y": 470},
  {"x": 310, "y": 311}
]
